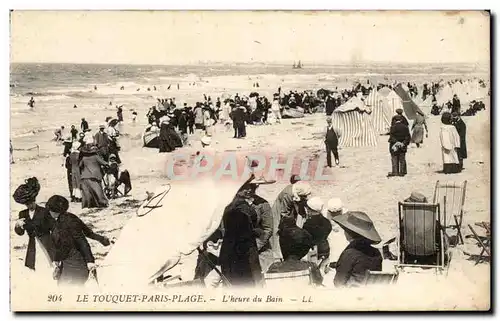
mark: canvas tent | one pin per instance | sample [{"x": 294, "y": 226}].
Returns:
[
  {"x": 353, "y": 123},
  {"x": 409, "y": 106},
  {"x": 383, "y": 104}
]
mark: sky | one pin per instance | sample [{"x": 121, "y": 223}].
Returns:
[{"x": 189, "y": 37}]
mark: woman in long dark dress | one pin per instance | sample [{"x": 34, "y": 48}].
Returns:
[
  {"x": 91, "y": 178},
  {"x": 239, "y": 256},
  {"x": 165, "y": 142},
  {"x": 72, "y": 256},
  {"x": 36, "y": 222}
]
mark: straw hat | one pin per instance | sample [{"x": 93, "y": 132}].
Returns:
[
  {"x": 335, "y": 205},
  {"x": 206, "y": 140},
  {"x": 315, "y": 204},
  {"x": 301, "y": 188},
  {"x": 359, "y": 223},
  {"x": 416, "y": 197},
  {"x": 102, "y": 126}
]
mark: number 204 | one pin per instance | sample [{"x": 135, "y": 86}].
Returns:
[{"x": 54, "y": 298}]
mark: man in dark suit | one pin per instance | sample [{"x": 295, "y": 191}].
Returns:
[
  {"x": 462, "y": 132},
  {"x": 399, "y": 140},
  {"x": 331, "y": 143},
  {"x": 455, "y": 104}
]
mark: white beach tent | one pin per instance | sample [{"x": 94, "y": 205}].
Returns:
[
  {"x": 165, "y": 229},
  {"x": 353, "y": 123}
]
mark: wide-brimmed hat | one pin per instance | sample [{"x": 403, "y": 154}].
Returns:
[
  {"x": 27, "y": 192},
  {"x": 58, "y": 204},
  {"x": 416, "y": 197},
  {"x": 112, "y": 156},
  {"x": 359, "y": 223}
]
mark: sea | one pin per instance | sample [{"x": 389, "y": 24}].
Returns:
[{"x": 64, "y": 93}]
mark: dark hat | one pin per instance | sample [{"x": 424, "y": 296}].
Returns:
[
  {"x": 27, "y": 192},
  {"x": 416, "y": 197},
  {"x": 359, "y": 223},
  {"x": 58, "y": 204},
  {"x": 399, "y": 111},
  {"x": 293, "y": 240}
]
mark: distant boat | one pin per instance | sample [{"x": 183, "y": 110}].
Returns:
[{"x": 298, "y": 66}]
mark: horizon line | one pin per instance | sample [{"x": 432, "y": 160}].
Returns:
[{"x": 303, "y": 62}]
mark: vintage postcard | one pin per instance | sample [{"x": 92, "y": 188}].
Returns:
[{"x": 250, "y": 160}]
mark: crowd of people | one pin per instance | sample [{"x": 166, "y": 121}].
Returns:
[{"x": 298, "y": 231}]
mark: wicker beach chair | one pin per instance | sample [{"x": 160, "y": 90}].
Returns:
[
  {"x": 376, "y": 277},
  {"x": 299, "y": 278},
  {"x": 421, "y": 238},
  {"x": 451, "y": 198}
]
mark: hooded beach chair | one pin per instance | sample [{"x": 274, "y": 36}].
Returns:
[
  {"x": 451, "y": 198},
  {"x": 421, "y": 238},
  {"x": 377, "y": 277}
]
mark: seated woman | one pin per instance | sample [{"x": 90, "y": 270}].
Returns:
[
  {"x": 359, "y": 256},
  {"x": 295, "y": 244}
]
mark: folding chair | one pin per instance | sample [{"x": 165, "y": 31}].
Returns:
[
  {"x": 451, "y": 198},
  {"x": 300, "y": 278},
  {"x": 376, "y": 277},
  {"x": 421, "y": 238},
  {"x": 484, "y": 242}
]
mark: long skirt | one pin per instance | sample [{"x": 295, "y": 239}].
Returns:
[
  {"x": 74, "y": 270},
  {"x": 451, "y": 168},
  {"x": 417, "y": 136},
  {"x": 93, "y": 194}
]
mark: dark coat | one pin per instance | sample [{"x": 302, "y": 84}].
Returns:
[
  {"x": 72, "y": 248},
  {"x": 40, "y": 227},
  {"x": 462, "y": 132},
  {"x": 331, "y": 138},
  {"x": 399, "y": 133},
  {"x": 329, "y": 105},
  {"x": 357, "y": 258},
  {"x": 90, "y": 166},
  {"x": 319, "y": 227},
  {"x": 263, "y": 225},
  {"x": 165, "y": 141},
  {"x": 239, "y": 257}
]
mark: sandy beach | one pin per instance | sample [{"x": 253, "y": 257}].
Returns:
[{"x": 360, "y": 182}]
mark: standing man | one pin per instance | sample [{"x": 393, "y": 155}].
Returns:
[
  {"x": 101, "y": 139},
  {"x": 84, "y": 125},
  {"x": 398, "y": 142},
  {"x": 74, "y": 133},
  {"x": 462, "y": 132},
  {"x": 455, "y": 104},
  {"x": 331, "y": 143}
]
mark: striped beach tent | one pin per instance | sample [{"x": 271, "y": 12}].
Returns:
[
  {"x": 353, "y": 123},
  {"x": 409, "y": 106},
  {"x": 383, "y": 104}
]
